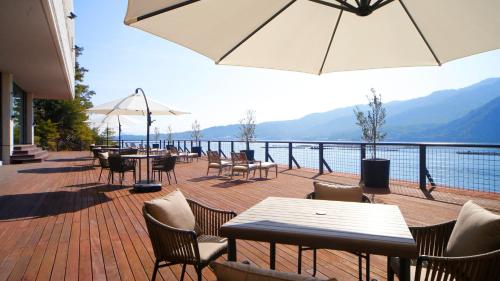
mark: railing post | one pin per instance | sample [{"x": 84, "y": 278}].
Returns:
[
  {"x": 191, "y": 143},
  {"x": 266, "y": 152},
  {"x": 232, "y": 146},
  {"x": 290, "y": 155},
  {"x": 220, "y": 148},
  {"x": 362, "y": 156},
  {"x": 209, "y": 146},
  {"x": 321, "y": 158},
  {"x": 422, "y": 166}
]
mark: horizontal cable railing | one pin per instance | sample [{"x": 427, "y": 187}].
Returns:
[{"x": 474, "y": 167}]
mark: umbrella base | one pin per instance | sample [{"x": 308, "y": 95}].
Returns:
[{"x": 145, "y": 186}]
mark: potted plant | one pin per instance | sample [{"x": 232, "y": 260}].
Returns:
[
  {"x": 196, "y": 137},
  {"x": 375, "y": 171},
  {"x": 170, "y": 137},
  {"x": 156, "y": 145},
  {"x": 247, "y": 132}
]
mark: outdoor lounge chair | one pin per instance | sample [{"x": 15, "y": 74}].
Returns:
[
  {"x": 103, "y": 162},
  {"x": 464, "y": 249},
  {"x": 184, "y": 232},
  {"x": 236, "y": 271},
  {"x": 165, "y": 165},
  {"x": 241, "y": 164},
  {"x": 119, "y": 165},
  {"x": 215, "y": 162},
  {"x": 180, "y": 154},
  {"x": 324, "y": 191}
]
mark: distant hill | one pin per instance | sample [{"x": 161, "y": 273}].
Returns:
[
  {"x": 414, "y": 119},
  {"x": 479, "y": 125}
]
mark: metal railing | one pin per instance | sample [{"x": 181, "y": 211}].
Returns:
[{"x": 474, "y": 167}]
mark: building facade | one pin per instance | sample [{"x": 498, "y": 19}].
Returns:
[{"x": 37, "y": 61}]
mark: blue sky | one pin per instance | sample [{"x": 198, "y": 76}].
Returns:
[{"x": 121, "y": 58}]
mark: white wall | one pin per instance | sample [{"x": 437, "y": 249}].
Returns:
[{"x": 7, "y": 124}]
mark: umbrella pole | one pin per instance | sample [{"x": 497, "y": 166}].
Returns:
[
  {"x": 107, "y": 135},
  {"x": 148, "y": 185},
  {"x": 119, "y": 135}
]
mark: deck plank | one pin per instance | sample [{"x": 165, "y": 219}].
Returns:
[{"x": 58, "y": 223}]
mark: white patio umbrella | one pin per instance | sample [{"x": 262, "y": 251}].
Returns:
[
  {"x": 113, "y": 121},
  {"x": 138, "y": 104},
  {"x": 318, "y": 36}
]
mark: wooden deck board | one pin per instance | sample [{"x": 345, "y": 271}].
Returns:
[{"x": 58, "y": 223}]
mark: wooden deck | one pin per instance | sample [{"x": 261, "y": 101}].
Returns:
[{"x": 58, "y": 223}]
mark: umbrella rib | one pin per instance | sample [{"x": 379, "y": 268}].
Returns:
[
  {"x": 420, "y": 32},
  {"x": 330, "y": 43},
  {"x": 255, "y": 31},
  {"x": 163, "y": 10}
]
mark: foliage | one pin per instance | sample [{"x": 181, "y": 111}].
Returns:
[
  {"x": 46, "y": 134},
  {"x": 372, "y": 121},
  {"x": 68, "y": 116},
  {"x": 170, "y": 134},
  {"x": 196, "y": 134},
  {"x": 247, "y": 127},
  {"x": 157, "y": 133}
]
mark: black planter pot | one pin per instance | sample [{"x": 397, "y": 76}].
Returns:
[
  {"x": 250, "y": 154},
  {"x": 196, "y": 149},
  {"x": 376, "y": 172}
]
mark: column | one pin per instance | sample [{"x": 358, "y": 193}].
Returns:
[
  {"x": 7, "y": 125},
  {"x": 30, "y": 129}
]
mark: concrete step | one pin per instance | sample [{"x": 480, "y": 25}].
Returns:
[
  {"x": 28, "y": 154},
  {"x": 26, "y": 151},
  {"x": 24, "y": 146},
  {"x": 34, "y": 154}
]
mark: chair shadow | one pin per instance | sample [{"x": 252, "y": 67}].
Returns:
[
  {"x": 231, "y": 183},
  {"x": 78, "y": 159},
  {"x": 205, "y": 178}
]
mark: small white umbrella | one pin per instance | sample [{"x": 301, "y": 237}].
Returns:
[
  {"x": 113, "y": 121},
  {"x": 138, "y": 104},
  {"x": 319, "y": 36}
]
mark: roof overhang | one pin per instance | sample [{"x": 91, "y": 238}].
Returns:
[{"x": 36, "y": 46}]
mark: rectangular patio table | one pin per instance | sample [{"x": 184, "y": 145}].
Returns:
[{"x": 355, "y": 227}]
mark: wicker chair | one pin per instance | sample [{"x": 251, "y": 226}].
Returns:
[
  {"x": 240, "y": 163},
  {"x": 165, "y": 164},
  {"x": 364, "y": 199},
  {"x": 215, "y": 162},
  {"x": 119, "y": 165},
  {"x": 103, "y": 162},
  {"x": 177, "y": 246},
  {"x": 431, "y": 265}
]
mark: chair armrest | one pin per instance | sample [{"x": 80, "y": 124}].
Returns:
[
  {"x": 432, "y": 240},
  {"x": 170, "y": 243},
  {"x": 478, "y": 267},
  {"x": 209, "y": 220}
]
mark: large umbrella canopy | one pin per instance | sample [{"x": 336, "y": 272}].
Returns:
[
  {"x": 134, "y": 104},
  {"x": 318, "y": 36},
  {"x": 113, "y": 121}
]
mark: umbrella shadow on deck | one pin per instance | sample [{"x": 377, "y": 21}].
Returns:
[
  {"x": 52, "y": 203},
  {"x": 52, "y": 170}
]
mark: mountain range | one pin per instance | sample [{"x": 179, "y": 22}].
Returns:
[{"x": 469, "y": 114}]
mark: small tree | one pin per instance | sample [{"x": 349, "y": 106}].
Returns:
[
  {"x": 157, "y": 133},
  {"x": 372, "y": 121},
  {"x": 247, "y": 128},
  {"x": 170, "y": 135},
  {"x": 196, "y": 131}
]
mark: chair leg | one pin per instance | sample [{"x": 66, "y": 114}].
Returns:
[
  {"x": 199, "y": 273},
  {"x": 208, "y": 169},
  {"x": 276, "y": 168},
  {"x": 168, "y": 177},
  {"x": 157, "y": 265},
  {"x": 183, "y": 272},
  {"x": 299, "y": 261},
  {"x": 100, "y": 174},
  {"x": 175, "y": 177}
]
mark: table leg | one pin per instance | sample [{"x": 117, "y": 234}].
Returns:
[
  {"x": 272, "y": 256},
  {"x": 231, "y": 249},
  {"x": 404, "y": 269}
]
